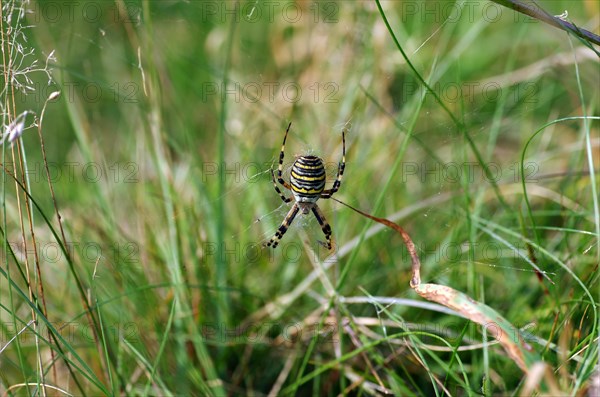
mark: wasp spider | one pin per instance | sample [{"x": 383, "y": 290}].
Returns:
[{"x": 307, "y": 183}]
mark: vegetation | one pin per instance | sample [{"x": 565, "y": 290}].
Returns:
[{"x": 137, "y": 143}]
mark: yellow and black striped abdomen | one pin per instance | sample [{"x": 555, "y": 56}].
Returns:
[{"x": 308, "y": 179}]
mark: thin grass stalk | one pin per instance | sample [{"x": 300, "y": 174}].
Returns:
[
  {"x": 7, "y": 48},
  {"x": 38, "y": 273},
  {"x": 590, "y": 160},
  {"x": 221, "y": 265}
]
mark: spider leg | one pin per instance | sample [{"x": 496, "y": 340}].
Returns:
[
  {"x": 280, "y": 168},
  {"x": 287, "y": 221},
  {"x": 324, "y": 224},
  {"x": 341, "y": 166},
  {"x": 285, "y": 199}
]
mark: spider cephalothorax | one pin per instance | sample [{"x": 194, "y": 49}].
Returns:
[{"x": 307, "y": 183}]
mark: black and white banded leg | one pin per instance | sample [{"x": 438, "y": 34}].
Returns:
[
  {"x": 324, "y": 225},
  {"x": 341, "y": 167},
  {"x": 279, "y": 192},
  {"x": 289, "y": 218}
]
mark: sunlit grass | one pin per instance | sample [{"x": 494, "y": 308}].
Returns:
[{"x": 155, "y": 281}]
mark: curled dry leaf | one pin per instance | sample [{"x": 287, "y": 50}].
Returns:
[{"x": 498, "y": 327}]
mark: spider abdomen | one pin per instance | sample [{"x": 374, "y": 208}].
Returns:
[{"x": 307, "y": 179}]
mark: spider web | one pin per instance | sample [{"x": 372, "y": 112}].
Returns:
[{"x": 265, "y": 223}]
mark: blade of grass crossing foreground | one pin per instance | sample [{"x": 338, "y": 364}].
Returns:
[
  {"x": 13, "y": 313},
  {"x": 221, "y": 269},
  {"x": 590, "y": 158},
  {"x": 522, "y": 169},
  {"x": 36, "y": 263},
  {"x": 585, "y": 370},
  {"x": 7, "y": 275},
  {"x": 148, "y": 367},
  {"x": 105, "y": 351},
  {"x": 154, "y": 367}
]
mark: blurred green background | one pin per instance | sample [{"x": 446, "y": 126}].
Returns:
[{"x": 170, "y": 116}]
